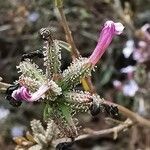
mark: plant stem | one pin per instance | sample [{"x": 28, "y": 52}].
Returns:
[
  {"x": 133, "y": 116},
  {"x": 74, "y": 51},
  {"x": 4, "y": 86},
  {"x": 69, "y": 38},
  {"x": 115, "y": 130}
]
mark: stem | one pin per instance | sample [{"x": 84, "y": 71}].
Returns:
[
  {"x": 134, "y": 117},
  {"x": 115, "y": 130},
  {"x": 4, "y": 86},
  {"x": 129, "y": 114},
  {"x": 74, "y": 51},
  {"x": 69, "y": 38}
]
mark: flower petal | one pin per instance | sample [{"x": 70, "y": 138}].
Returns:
[
  {"x": 106, "y": 36},
  {"x": 119, "y": 28}
]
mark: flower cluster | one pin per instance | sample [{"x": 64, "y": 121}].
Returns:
[
  {"x": 56, "y": 88},
  {"x": 134, "y": 52}
]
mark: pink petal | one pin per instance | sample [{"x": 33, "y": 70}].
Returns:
[{"x": 106, "y": 36}]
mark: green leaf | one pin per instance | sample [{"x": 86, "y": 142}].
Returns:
[
  {"x": 65, "y": 111},
  {"x": 106, "y": 76},
  {"x": 47, "y": 111},
  {"x": 64, "y": 45}
]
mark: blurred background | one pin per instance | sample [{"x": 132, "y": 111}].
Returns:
[{"x": 122, "y": 75}]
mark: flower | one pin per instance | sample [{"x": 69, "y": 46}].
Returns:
[
  {"x": 23, "y": 93},
  {"x": 108, "y": 32},
  {"x": 3, "y": 113},
  {"x": 117, "y": 84},
  {"x": 128, "y": 49},
  {"x": 130, "y": 88},
  {"x": 33, "y": 16},
  {"x": 17, "y": 130},
  {"x": 128, "y": 69}
]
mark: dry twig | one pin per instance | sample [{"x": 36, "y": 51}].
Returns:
[
  {"x": 115, "y": 130},
  {"x": 4, "y": 86}
]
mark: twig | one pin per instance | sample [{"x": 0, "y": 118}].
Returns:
[
  {"x": 129, "y": 114},
  {"x": 134, "y": 117},
  {"x": 5, "y": 27},
  {"x": 4, "y": 86},
  {"x": 115, "y": 130},
  {"x": 69, "y": 38}
]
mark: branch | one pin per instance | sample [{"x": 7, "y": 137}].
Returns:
[
  {"x": 92, "y": 134},
  {"x": 129, "y": 114},
  {"x": 133, "y": 116},
  {"x": 4, "y": 86},
  {"x": 115, "y": 130},
  {"x": 69, "y": 38}
]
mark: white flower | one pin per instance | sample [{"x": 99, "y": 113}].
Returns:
[
  {"x": 128, "y": 69},
  {"x": 17, "y": 130},
  {"x": 4, "y": 113},
  {"x": 130, "y": 88},
  {"x": 117, "y": 84},
  {"x": 128, "y": 50},
  {"x": 119, "y": 27},
  {"x": 33, "y": 16},
  {"x": 142, "y": 44}
]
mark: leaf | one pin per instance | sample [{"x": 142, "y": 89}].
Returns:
[
  {"x": 106, "y": 76},
  {"x": 52, "y": 58},
  {"x": 47, "y": 111},
  {"x": 67, "y": 47},
  {"x": 66, "y": 112},
  {"x": 64, "y": 45}
]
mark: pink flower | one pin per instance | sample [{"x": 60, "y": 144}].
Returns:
[
  {"x": 23, "y": 93},
  {"x": 117, "y": 84},
  {"x": 108, "y": 32}
]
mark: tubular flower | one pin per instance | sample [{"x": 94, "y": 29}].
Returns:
[
  {"x": 109, "y": 30},
  {"x": 23, "y": 93}
]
